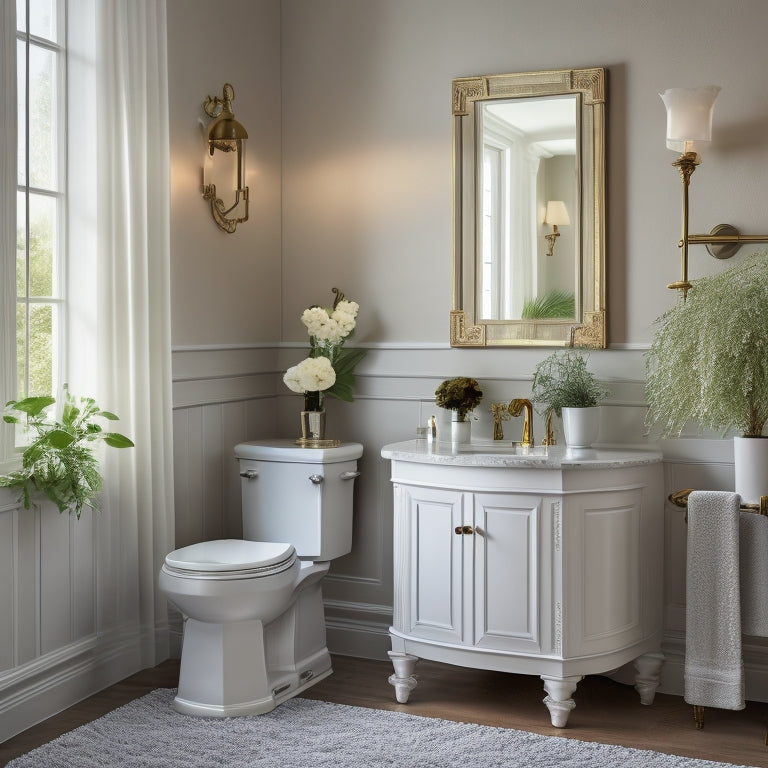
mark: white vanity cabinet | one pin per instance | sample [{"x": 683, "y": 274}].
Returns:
[{"x": 548, "y": 565}]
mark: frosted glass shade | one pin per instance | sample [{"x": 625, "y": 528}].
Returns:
[
  {"x": 689, "y": 116},
  {"x": 556, "y": 213}
]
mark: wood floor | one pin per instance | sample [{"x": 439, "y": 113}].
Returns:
[{"x": 605, "y": 711}]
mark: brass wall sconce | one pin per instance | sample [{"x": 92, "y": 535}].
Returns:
[
  {"x": 557, "y": 216},
  {"x": 689, "y": 122},
  {"x": 228, "y": 136}
]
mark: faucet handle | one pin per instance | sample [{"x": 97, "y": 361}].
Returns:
[
  {"x": 549, "y": 438},
  {"x": 500, "y": 413}
]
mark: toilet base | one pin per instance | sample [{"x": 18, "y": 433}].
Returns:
[
  {"x": 247, "y": 668},
  {"x": 286, "y": 687}
]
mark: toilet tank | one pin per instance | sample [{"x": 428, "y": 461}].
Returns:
[{"x": 302, "y": 496}]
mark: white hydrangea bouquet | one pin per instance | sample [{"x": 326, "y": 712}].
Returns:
[{"x": 329, "y": 369}]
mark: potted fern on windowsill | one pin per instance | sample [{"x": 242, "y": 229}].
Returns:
[
  {"x": 708, "y": 365},
  {"x": 60, "y": 462}
]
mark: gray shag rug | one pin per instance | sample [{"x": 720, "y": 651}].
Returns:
[{"x": 303, "y": 733}]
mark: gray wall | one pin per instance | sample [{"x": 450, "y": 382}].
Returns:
[{"x": 365, "y": 156}]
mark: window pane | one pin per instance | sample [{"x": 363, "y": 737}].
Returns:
[
  {"x": 21, "y": 349},
  {"x": 42, "y": 245},
  {"x": 21, "y": 110},
  {"x": 42, "y": 19},
  {"x": 21, "y": 15},
  {"x": 42, "y": 133},
  {"x": 21, "y": 244},
  {"x": 40, "y": 349}
]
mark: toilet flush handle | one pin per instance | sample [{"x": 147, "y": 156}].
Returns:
[
  {"x": 249, "y": 474},
  {"x": 349, "y": 475},
  {"x": 316, "y": 479}
]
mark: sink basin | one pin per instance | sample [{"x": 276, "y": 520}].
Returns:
[{"x": 506, "y": 447}]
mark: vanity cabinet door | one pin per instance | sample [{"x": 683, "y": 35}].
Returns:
[
  {"x": 508, "y": 572},
  {"x": 430, "y": 584}
]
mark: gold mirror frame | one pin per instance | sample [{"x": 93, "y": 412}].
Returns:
[{"x": 588, "y": 329}]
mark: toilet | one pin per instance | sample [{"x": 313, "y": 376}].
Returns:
[{"x": 254, "y": 624}]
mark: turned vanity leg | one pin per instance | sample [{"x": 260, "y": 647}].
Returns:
[
  {"x": 559, "y": 701},
  {"x": 647, "y": 674},
  {"x": 403, "y": 680}
]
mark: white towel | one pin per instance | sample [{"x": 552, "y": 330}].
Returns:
[
  {"x": 714, "y": 673},
  {"x": 753, "y": 565}
]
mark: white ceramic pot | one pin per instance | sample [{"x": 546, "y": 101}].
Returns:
[
  {"x": 461, "y": 431},
  {"x": 750, "y": 463},
  {"x": 581, "y": 426}
]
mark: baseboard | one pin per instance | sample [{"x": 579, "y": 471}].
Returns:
[
  {"x": 754, "y": 654},
  {"x": 358, "y": 629},
  {"x": 51, "y": 683},
  {"x": 367, "y": 636}
]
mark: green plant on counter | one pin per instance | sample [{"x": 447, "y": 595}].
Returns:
[
  {"x": 60, "y": 461},
  {"x": 708, "y": 362},
  {"x": 563, "y": 381},
  {"x": 461, "y": 395}
]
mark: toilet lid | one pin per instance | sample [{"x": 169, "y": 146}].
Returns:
[{"x": 228, "y": 555}]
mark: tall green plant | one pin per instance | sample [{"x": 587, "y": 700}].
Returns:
[
  {"x": 60, "y": 461},
  {"x": 563, "y": 381},
  {"x": 708, "y": 362}
]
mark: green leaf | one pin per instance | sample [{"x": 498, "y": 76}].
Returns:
[
  {"x": 343, "y": 387},
  {"x": 58, "y": 438},
  {"x": 116, "y": 440},
  {"x": 31, "y": 405},
  {"x": 108, "y": 415},
  {"x": 347, "y": 360}
]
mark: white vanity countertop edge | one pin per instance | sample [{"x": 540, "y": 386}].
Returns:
[{"x": 558, "y": 457}]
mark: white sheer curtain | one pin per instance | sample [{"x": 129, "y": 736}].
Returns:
[
  {"x": 119, "y": 290},
  {"x": 521, "y": 275}
]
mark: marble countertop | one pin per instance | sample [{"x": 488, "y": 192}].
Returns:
[{"x": 507, "y": 454}]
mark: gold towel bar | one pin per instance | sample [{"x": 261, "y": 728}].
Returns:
[{"x": 680, "y": 499}]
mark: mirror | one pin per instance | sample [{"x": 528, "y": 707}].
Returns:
[{"x": 529, "y": 230}]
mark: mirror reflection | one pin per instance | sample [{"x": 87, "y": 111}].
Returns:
[
  {"x": 529, "y": 185},
  {"x": 529, "y": 210}
]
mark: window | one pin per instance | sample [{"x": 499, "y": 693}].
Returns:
[{"x": 40, "y": 199}]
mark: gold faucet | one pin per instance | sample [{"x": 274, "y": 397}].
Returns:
[
  {"x": 549, "y": 439},
  {"x": 500, "y": 413},
  {"x": 515, "y": 408}
]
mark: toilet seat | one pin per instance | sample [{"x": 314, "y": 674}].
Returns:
[{"x": 230, "y": 559}]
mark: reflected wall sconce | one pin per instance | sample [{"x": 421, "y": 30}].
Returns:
[
  {"x": 227, "y": 167},
  {"x": 689, "y": 122},
  {"x": 557, "y": 216}
]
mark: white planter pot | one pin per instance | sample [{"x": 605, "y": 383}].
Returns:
[
  {"x": 461, "y": 431},
  {"x": 581, "y": 426},
  {"x": 750, "y": 463}
]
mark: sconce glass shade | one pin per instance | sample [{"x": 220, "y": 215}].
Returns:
[
  {"x": 557, "y": 213},
  {"x": 689, "y": 116}
]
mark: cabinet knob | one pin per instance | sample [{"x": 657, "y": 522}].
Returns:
[{"x": 461, "y": 530}]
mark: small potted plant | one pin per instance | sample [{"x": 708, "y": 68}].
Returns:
[
  {"x": 573, "y": 393},
  {"x": 708, "y": 365},
  {"x": 60, "y": 462},
  {"x": 461, "y": 396}
]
